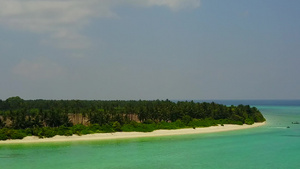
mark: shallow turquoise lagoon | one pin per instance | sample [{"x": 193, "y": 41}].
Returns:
[{"x": 270, "y": 146}]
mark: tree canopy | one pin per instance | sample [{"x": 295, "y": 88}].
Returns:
[{"x": 89, "y": 116}]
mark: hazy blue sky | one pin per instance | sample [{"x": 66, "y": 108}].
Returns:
[{"x": 150, "y": 49}]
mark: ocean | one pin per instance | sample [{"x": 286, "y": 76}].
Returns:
[{"x": 273, "y": 145}]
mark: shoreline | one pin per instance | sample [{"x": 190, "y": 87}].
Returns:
[{"x": 127, "y": 135}]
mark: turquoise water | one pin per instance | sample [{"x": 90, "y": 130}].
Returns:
[{"x": 271, "y": 146}]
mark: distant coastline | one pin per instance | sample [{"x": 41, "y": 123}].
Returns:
[
  {"x": 255, "y": 102},
  {"x": 47, "y": 118},
  {"x": 127, "y": 135}
]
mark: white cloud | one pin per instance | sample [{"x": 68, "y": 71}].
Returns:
[
  {"x": 44, "y": 15},
  {"x": 172, "y": 4},
  {"x": 38, "y": 69},
  {"x": 66, "y": 39},
  {"x": 62, "y": 20}
]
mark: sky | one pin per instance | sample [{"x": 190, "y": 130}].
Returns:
[{"x": 150, "y": 49}]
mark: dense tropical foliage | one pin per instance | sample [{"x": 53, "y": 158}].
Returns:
[{"x": 47, "y": 118}]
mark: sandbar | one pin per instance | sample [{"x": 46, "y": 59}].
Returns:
[{"x": 127, "y": 135}]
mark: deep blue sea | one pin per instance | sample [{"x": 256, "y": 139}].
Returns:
[{"x": 271, "y": 146}]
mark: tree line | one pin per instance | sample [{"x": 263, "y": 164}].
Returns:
[{"x": 67, "y": 117}]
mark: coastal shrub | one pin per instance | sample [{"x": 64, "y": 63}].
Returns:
[
  {"x": 95, "y": 127},
  {"x": 116, "y": 126},
  {"x": 258, "y": 117},
  {"x": 80, "y": 129},
  {"x": 249, "y": 121},
  {"x": 134, "y": 124},
  {"x": 236, "y": 122},
  {"x": 86, "y": 131},
  {"x": 186, "y": 119},
  {"x": 127, "y": 128},
  {"x": 148, "y": 121},
  {"x": 179, "y": 123},
  {"x": 48, "y": 132},
  {"x": 195, "y": 123},
  {"x": 6, "y": 133},
  {"x": 139, "y": 127},
  {"x": 28, "y": 131},
  {"x": 166, "y": 125},
  {"x": 107, "y": 128},
  {"x": 76, "y": 129},
  {"x": 145, "y": 128},
  {"x": 68, "y": 133},
  {"x": 236, "y": 117},
  {"x": 38, "y": 132},
  {"x": 60, "y": 132},
  {"x": 3, "y": 136},
  {"x": 201, "y": 123},
  {"x": 223, "y": 121},
  {"x": 17, "y": 134},
  {"x": 79, "y": 133}
]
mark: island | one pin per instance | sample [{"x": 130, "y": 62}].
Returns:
[{"x": 58, "y": 119}]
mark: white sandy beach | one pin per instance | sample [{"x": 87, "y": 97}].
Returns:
[{"x": 125, "y": 135}]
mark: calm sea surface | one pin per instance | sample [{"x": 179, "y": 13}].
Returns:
[{"x": 271, "y": 146}]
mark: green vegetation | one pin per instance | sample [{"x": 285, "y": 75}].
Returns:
[{"x": 47, "y": 118}]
